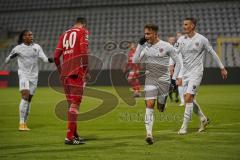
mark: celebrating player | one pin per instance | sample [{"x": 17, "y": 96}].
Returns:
[
  {"x": 133, "y": 70},
  {"x": 73, "y": 45},
  {"x": 193, "y": 46},
  {"x": 27, "y": 54},
  {"x": 155, "y": 53}
]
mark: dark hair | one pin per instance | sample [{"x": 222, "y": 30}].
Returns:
[
  {"x": 20, "y": 38},
  {"x": 193, "y": 20},
  {"x": 152, "y": 27},
  {"x": 81, "y": 20}
]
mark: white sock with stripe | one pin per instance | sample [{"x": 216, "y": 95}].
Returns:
[
  {"x": 23, "y": 110},
  {"x": 149, "y": 120},
  {"x": 187, "y": 115}
]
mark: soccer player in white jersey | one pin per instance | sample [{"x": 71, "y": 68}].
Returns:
[
  {"x": 27, "y": 54},
  {"x": 155, "y": 54},
  {"x": 193, "y": 46},
  {"x": 179, "y": 80}
]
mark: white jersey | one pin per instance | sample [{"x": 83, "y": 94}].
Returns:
[
  {"x": 156, "y": 57},
  {"x": 193, "y": 51},
  {"x": 28, "y": 59}
]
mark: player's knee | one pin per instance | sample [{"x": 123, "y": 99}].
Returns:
[
  {"x": 150, "y": 103},
  {"x": 189, "y": 98},
  {"x": 25, "y": 95}
]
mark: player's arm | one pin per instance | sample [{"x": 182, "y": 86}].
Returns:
[
  {"x": 12, "y": 55},
  {"x": 171, "y": 66},
  {"x": 84, "y": 50},
  {"x": 175, "y": 57},
  {"x": 43, "y": 57},
  {"x": 138, "y": 55},
  {"x": 57, "y": 54},
  {"x": 210, "y": 50}
]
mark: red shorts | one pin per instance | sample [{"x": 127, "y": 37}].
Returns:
[{"x": 73, "y": 88}]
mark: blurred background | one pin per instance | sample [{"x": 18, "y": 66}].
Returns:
[{"x": 112, "y": 24}]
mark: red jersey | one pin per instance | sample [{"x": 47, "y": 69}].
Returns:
[
  {"x": 73, "y": 45},
  {"x": 130, "y": 64}
]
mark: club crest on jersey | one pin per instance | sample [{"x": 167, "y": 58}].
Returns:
[
  {"x": 161, "y": 50},
  {"x": 197, "y": 44},
  {"x": 35, "y": 50}
]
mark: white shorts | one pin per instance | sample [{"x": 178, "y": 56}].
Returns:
[
  {"x": 191, "y": 84},
  {"x": 26, "y": 84},
  {"x": 154, "y": 92}
]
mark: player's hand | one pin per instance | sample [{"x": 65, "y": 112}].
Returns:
[
  {"x": 50, "y": 60},
  {"x": 224, "y": 73},
  {"x": 87, "y": 77},
  {"x": 179, "y": 81},
  {"x": 142, "y": 40}
]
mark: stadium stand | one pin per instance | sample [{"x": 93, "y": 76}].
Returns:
[{"x": 123, "y": 21}]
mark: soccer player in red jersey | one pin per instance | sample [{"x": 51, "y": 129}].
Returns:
[
  {"x": 73, "y": 46},
  {"x": 133, "y": 75}
]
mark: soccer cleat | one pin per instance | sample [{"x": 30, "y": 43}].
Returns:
[
  {"x": 21, "y": 127},
  {"x": 203, "y": 125},
  {"x": 149, "y": 139},
  {"x": 26, "y": 128},
  {"x": 182, "y": 131},
  {"x": 74, "y": 141}
]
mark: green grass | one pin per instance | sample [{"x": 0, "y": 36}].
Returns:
[{"x": 120, "y": 134}]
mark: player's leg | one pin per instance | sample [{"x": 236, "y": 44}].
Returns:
[
  {"x": 161, "y": 103},
  {"x": 176, "y": 94},
  {"x": 150, "y": 97},
  {"x": 32, "y": 88},
  {"x": 180, "y": 91},
  {"x": 133, "y": 82},
  {"x": 204, "y": 121},
  {"x": 136, "y": 84},
  {"x": 73, "y": 90},
  {"x": 191, "y": 91},
  {"x": 23, "y": 107}
]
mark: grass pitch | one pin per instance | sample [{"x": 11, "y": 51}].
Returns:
[{"x": 120, "y": 134}]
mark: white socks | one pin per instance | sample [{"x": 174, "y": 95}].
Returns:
[
  {"x": 187, "y": 115},
  {"x": 197, "y": 110},
  {"x": 149, "y": 120},
  {"x": 24, "y": 108},
  {"x": 181, "y": 95}
]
